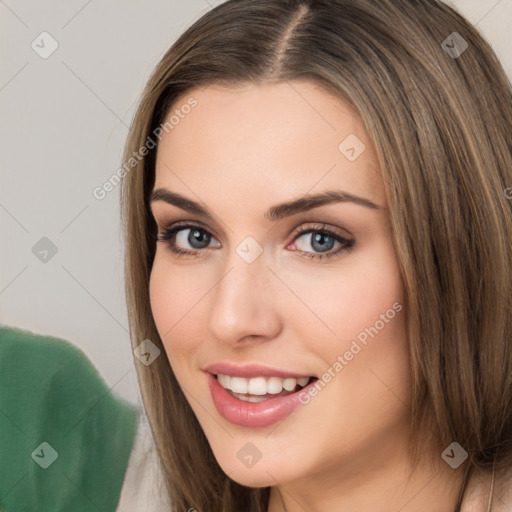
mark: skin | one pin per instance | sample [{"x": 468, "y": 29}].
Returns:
[{"x": 240, "y": 151}]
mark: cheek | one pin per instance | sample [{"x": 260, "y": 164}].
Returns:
[
  {"x": 375, "y": 310},
  {"x": 372, "y": 332},
  {"x": 372, "y": 289},
  {"x": 172, "y": 305},
  {"x": 351, "y": 297},
  {"x": 363, "y": 329}
]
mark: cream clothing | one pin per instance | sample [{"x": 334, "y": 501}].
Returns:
[
  {"x": 143, "y": 487},
  {"x": 144, "y": 490}
]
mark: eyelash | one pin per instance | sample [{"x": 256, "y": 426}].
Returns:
[{"x": 167, "y": 235}]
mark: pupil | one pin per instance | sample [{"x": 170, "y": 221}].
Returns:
[
  {"x": 320, "y": 238},
  {"x": 196, "y": 236}
]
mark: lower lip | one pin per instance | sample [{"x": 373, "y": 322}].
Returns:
[{"x": 253, "y": 414}]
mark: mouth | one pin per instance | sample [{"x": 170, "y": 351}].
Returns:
[
  {"x": 257, "y": 401},
  {"x": 259, "y": 389}
]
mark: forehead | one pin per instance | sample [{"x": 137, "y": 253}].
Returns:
[{"x": 278, "y": 140}]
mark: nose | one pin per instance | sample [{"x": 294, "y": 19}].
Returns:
[{"x": 243, "y": 303}]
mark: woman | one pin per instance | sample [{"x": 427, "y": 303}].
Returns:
[{"x": 319, "y": 237}]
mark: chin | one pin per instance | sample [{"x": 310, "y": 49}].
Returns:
[
  {"x": 263, "y": 473},
  {"x": 252, "y": 477}
]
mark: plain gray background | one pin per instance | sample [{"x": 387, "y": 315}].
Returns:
[{"x": 64, "y": 123}]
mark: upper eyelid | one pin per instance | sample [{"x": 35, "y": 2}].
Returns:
[
  {"x": 183, "y": 224},
  {"x": 346, "y": 243},
  {"x": 300, "y": 230}
]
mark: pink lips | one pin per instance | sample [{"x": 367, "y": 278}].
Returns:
[
  {"x": 251, "y": 370},
  {"x": 253, "y": 414}
]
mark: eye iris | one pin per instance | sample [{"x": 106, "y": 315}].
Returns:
[
  {"x": 320, "y": 239},
  {"x": 196, "y": 235}
]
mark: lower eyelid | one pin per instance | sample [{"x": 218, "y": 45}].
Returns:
[{"x": 169, "y": 235}]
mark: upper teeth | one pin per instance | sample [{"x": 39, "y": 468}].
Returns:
[{"x": 260, "y": 385}]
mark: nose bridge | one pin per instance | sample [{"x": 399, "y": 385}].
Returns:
[
  {"x": 244, "y": 281},
  {"x": 241, "y": 303},
  {"x": 246, "y": 269}
]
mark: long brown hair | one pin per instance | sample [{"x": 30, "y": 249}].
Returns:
[{"x": 439, "y": 114}]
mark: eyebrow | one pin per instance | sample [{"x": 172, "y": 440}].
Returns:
[{"x": 275, "y": 212}]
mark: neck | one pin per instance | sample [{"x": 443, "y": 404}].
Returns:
[{"x": 384, "y": 486}]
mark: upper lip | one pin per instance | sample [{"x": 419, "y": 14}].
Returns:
[{"x": 251, "y": 370}]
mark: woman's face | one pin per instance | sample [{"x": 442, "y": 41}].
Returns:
[{"x": 257, "y": 291}]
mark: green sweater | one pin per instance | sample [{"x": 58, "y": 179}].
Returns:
[{"x": 65, "y": 438}]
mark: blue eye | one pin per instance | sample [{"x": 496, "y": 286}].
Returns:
[
  {"x": 197, "y": 237},
  {"x": 321, "y": 239}
]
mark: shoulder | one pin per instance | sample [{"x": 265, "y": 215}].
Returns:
[
  {"x": 144, "y": 485},
  {"x": 27, "y": 357},
  {"x": 16, "y": 344},
  {"x": 482, "y": 488},
  {"x": 502, "y": 491}
]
